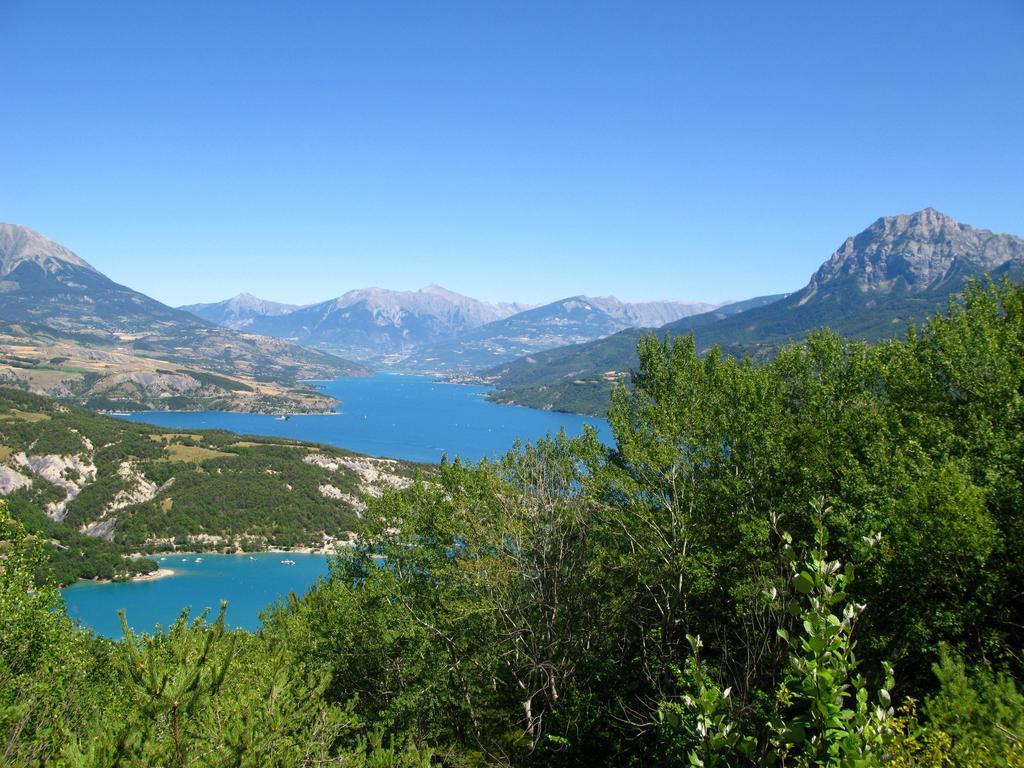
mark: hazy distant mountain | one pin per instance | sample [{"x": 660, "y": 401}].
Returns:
[
  {"x": 239, "y": 311},
  {"x": 375, "y": 323},
  {"x": 66, "y": 329},
  {"x": 578, "y": 377},
  {"x": 895, "y": 272},
  {"x": 568, "y": 321}
]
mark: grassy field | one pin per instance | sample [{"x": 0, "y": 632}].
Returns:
[
  {"x": 193, "y": 453},
  {"x": 28, "y": 416}
]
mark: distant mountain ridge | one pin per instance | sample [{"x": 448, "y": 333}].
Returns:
[
  {"x": 573, "y": 320},
  {"x": 373, "y": 324},
  {"x": 578, "y": 378},
  {"x": 894, "y": 273},
  {"x": 435, "y": 329},
  {"x": 68, "y": 330},
  {"x": 238, "y": 311}
]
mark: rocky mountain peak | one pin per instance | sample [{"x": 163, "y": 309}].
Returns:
[
  {"x": 19, "y": 245},
  {"x": 915, "y": 252}
]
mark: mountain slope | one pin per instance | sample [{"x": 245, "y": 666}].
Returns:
[
  {"x": 238, "y": 311},
  {"x": 378, "y": 324},
  {"x": 572, "y": 320},
  {"x": 68, "y": 330},
  {"x": 896, "y": 272}
]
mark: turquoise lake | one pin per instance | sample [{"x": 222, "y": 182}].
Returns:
[
  {"x": 416, "y": 418},
  {"x": 249, "y": 583}
]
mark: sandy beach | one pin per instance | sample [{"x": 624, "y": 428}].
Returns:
[{"x": 161, "y": 573}]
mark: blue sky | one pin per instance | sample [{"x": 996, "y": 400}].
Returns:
[{"x": 518, "y": 151}]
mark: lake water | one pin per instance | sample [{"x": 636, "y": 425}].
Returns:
[
  {"x": 406, "y": 417},
  {"x": 249, "y": 583}
]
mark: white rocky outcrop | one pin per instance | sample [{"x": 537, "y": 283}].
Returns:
[
  {"x": 324, "y": 462},
  {"x": 101, "y": 529},
  {"x": 71, "y": 473},
  {"x": 330, "y": 492},
  {"x": 11, "y": 480},
  {"x": 373, "y": 474},
  {"x": 140, "y": 489}
]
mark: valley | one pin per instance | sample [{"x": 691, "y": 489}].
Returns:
[
  {"x": 512, "y": 385},
  {"x": 568, "y": 355}
]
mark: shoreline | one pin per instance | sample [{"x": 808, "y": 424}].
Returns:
[
  {"x": 163, "y": 572},
  {"x": 159, "y": 573},
  {"x": 332, "y": 548},
  {"x": 289, "y": 414}
]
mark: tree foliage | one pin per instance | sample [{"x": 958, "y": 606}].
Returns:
[{"x": 680, "y": 598}]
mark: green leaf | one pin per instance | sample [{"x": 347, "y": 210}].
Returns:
[{"x": 803, "y": 583}]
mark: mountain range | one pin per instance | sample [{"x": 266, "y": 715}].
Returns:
[
  {"x": 894, "y": 273},
  {"x": 68, "y": 330},
  {"x": 434, "y": 329},
  {"x": 379, "y": 325},
  {"x": 568, "y": 321}
]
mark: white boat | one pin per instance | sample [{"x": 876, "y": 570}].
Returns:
[
  {"x": 287, "y": 562},
  {"x": 199, "y": 559}
]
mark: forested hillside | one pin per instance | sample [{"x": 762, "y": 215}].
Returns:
[
  {"x": 816, "y": 561},
  {"x": 100, "y": 487}
]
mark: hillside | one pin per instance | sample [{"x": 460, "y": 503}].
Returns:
[
  {"x": 101, "y": 487},
  {"x": 894, "y": 273},
  {"x": 68, "y": 330},
  {"x": 573, "y": 320}
]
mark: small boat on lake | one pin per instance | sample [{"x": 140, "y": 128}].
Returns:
[
  {"x": 283, "y": 417},
  {"x": 287, "y": 562}
]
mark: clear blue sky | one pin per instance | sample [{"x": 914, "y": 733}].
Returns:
[{"x": 518, "y": 151}]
